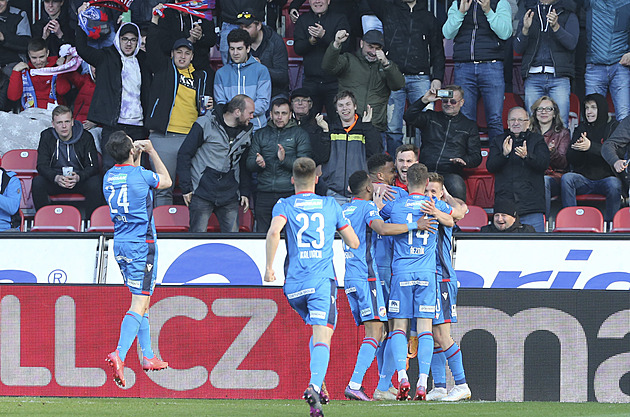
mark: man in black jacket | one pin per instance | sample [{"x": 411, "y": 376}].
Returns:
[
  {"x": 450, "y": 141},
  {"x": 414, "y": 42},
  {"x": 15, "y": 32},
  {"x": 302, "y": 104},
  {"x": 518, "y": 159},
  {"x": 180, "y": 93},
  {"x": 54, "y": 26},
  {"x": 269, "y": 49},
  {"x": 121, "y": 95},
  {"x": 506, "y": 220},
  {"x": 67, "y": 162}
]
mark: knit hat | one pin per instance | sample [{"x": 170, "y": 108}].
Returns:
[{"x": 505, "y": 206}]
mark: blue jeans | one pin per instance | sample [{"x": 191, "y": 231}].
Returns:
[
  {"x": 226, "y": 28},
  {"x": 558, "y": 88},
  {"x": 486, "y": 79},
  {"x": 536, "y": 220},
  {"x": 574, "y": 183},
  {"x": 552, "y": 189},
  {"x": 414, "y": 89},
  {"x": 201, "y": 210},
  {"x": 600, "y": 78}
]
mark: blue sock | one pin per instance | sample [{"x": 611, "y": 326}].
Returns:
[
  {"x": 319, "y": 363},
  {"x": 128, "y": 331},
  {"x": 310, "y": 345},
  {"x": 438, "y": 367},
  {"x": 399, "y": 349},
  {"x": 388, "y": 367},
  {"x": 365, "y": 357},
  {"x": 425, "y": 352},
  {"x": 454, "y": 358},
  {"x": 144, "y": 337}
]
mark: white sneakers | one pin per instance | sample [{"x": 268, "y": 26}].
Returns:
[
  {"x": 436, "y": 394},
  {"x": 458, "y": 393},
  {"x": 385, "y": 395}
]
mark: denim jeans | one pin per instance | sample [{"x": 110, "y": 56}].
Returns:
[
  {"x": 226, "y": 28},
  {"x": 558, "y": 88},
  {"x": 552, "y": 189},
  {"x": 455, "y": 185},
  {"x": 414, "y": 89},
  {"x": 536, "y": 220},
  {"x": 201, "y": 210},
  {"x": 485, "y": 78},
  {"x": 574, "y": 183},
  {"x": 167, "y": 145},
  {"x": 600, "y": 78}
]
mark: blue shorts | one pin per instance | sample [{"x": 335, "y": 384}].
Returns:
[
  {"x": 412, "y": 295},
  {"x": 314, "y": 300},
  {"x": 445, "y": 308},
  {"x": 366, "y": 299},
  {"x": 137, "y": 262},
  {"x": 385, "y": 275}
]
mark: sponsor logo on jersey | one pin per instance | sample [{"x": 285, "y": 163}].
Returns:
[
  {"x": 394, "y": 306},
  {"x": 301, "y": 293},
  {"x": 134, "y": 284},
  {"x": 414, "y": 204},
  {"x": 426, "y": 309},
  {"x": 318, "y": 315},
  {"x": 349, "y": 210},
  {"x": 366, "y": 312},
  {"x": 351, "y": 289},
  {"x": 412, "y": 283},
  {"x": 117, "y": 178},
  {"x": 308, "y": 204}
]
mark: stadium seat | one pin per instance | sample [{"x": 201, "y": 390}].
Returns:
[
  {"x": 474, "y": 220},
  {"x": 213, "y": 224},
  {"x": 67, "y": 198},
  {"x": 480, "y": 184},
  {"x": 171, "y": 218},
  {"x": 579, "y": 219},
  {"x": 594, "y": 198},
  {"x": 574, "y": 112},
  {"x": 621, "y": 221},
  {"x": 57, "y": 218},
  {"x": 101, "y": 221},
  {"x": 21, "y": 161},
  {"x": 245, "y": 220}
]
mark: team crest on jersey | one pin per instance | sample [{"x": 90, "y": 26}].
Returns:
[
  {"x": 308, "y": 204},
  {"x": 394, "y": 306},
  {"x": 382, "y": 311}
]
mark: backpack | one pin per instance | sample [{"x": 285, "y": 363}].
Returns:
[{"x": 16, "y": 219}]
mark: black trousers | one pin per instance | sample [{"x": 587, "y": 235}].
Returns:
[
  {"x": 134, "y": 132},
  {"x": 92, "y": 189},
  {"x": 264, "y": 208}
]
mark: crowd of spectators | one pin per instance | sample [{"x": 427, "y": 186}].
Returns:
[{"x": 369, "y": 66}]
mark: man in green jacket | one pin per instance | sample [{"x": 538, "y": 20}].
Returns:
[
  {"x": 368, "y": 74},
  {"x": 274, "y": 149}
]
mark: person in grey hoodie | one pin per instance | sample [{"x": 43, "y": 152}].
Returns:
[{"x": 67, "y": 162}]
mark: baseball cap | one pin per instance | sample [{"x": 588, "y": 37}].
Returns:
[
  {"x": 183, "y": 42},
  {"x": 300, "y": 92},
  {"x": 246, "y": 18},
  {"x": 374, "y": 37}
]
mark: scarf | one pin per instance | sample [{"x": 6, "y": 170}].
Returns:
[
  {"x": 93, "y": 21},
  {"x": 120, "y": 5},
  {"x": 71, "y": 65},
  {"x": 29, "y": 99},
  {"x": 197, "y": 8}
]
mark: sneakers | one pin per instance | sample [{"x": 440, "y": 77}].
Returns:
[
  {"x": 421, "y": 394},
  {"x": 358, "y": 394},
  {"x": 458, "y": 393},
  {"x": 118, "y": 366},
  {"x": 403, "y": 390},
  {"x": 324, "y": 398},
  {"x": 312, "y": 398},
  {"x": 436, "y": 394},
  {"x": 153, "y": 364},
  {"x": 412, "y": 347},
  {"x": 384, "y": 395}
]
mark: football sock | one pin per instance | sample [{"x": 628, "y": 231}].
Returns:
[
  {"x": 319, "y": 364},
  {"x": 399, "y": 350},
  {"x": 144, "y": 337},
  {"x": 425, "y": 352},
  {"x": 438, "y": 367},
  {"x": 128, "y": 331},
  {"x": 455, "y": 362},
  {"x": 365, "y": 357},
  {"x": 388, "y": 366}
]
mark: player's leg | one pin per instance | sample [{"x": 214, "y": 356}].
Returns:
[
  {"x": 453, "y": 356},
  {"x": 425, "y": 352},
  {"x": 385, "y": 390},
  {"x": 438, "y": 360},
  {"x": 365, "y": 357},
  {"x": 398, "y": 344}
]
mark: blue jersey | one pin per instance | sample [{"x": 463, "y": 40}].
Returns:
[
  {"x": 360, "y": 262},
  {"x": 128, "y": 192},
  {"x": 310, "y": 231},
  {"x": 415, "y": 251},
  {"x": 445, "y": 269},
  {"x": 383, "y": 245}
]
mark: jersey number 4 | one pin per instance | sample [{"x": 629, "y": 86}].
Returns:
[
  {"x": 121, "y": 201},
  {"x": 315, "y": 217}
]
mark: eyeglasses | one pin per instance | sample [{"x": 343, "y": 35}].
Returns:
[
  {"x": 518, "y": 120},
  {"x": 450, "y": 101},
  {"x": 128, "y": 40},
  {"x": 244, "y": 15},
  {"x": 301, "y": 100},
  {"x": 544, "y": 109}
]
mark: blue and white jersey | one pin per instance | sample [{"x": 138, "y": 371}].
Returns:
[
  {"x": 383, "y": 245},
  {"x": 312, "y": 221},
  {"x": 128, "y": 192},
  {"x": 360, "y": 262},
  {"x": 445, "y": 269},
  {"x": 415, "y": 251}
]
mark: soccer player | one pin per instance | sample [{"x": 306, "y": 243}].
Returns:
[
  {"x": 413, "y": 287},
  {"x": 445, "y": 349},
  {"x": 127, "y": 188},
  {"x": 363, "y": 287},
  {"x": 310, "y": 284}
]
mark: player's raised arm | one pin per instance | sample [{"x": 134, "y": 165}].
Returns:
[
  {"x": 160, "y": 169},
  {"x": 273, "y": 238},
  {"x": 390, "y": 229},
  {"x": 429, "y": 207},
  {"x": 459, "y": 207}
]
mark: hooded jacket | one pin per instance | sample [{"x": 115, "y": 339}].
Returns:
[
  {"x": 273, "y": 54},
  {"x": 276, "y": 176},
  {"x": 41, "y": 84},
  {"x": 106, "y": 102},
  {"x": 85, "y": 84},
  {"x": 250, "y": 78},
  {"x": 17, "y": 32},
  {"x": 607, "y": 30},
  {"x": 80, "y": 149},
  {"x": 591, "y": 163}
]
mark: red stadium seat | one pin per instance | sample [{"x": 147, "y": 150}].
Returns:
[
  {"x": 474, "y": 220},
  {"x": 101, "y": 221},
  {"x": 594, "y": 198},
  {"x": 67, "y": 198},
  {"x": 574, "y": 111},
  {"x": 579, "y": 219},
  {"x": 21, "y": 161},
  {"x": 621, "y": 221},
  {"x": 213, "y": 224},
  {"x": 245, "y": 220},
  {"x": 57, "y": 218},
  {"x": 480, "y": 184},
  {"x": 171, "y": 218}
]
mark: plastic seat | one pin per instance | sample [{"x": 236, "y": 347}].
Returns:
[
  {"x": 480, "y": 184},
  {"x": 213, "y": 224},
  {"x": 579, "y": 219},
  {"x": 171, "y": 218},
  {"x": 101, "y": 221},
  {"x": 621, "y": 221},
  {"x": 245, "y": 220},
  {"x": 57, "y": 218},
  {"x": 574, "y": 112},
  {"x": 474, "y": 220},
  {"x": 21, "y": 161}
]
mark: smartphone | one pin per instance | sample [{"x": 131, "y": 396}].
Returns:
[
  {"x": 67, "y": 171},
  {"x": 444, "y": 93}
]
